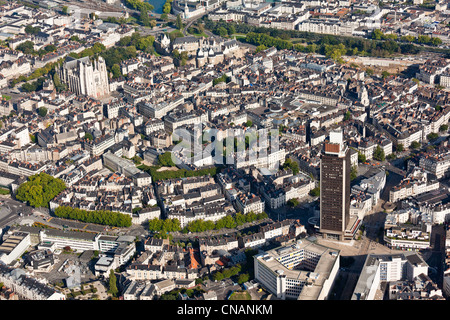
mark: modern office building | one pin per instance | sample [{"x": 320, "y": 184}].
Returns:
[
  {"x": 300, "y": 271},
  {"x": 14, "y": 246},
  {"x": 335, "y": 188},
  {"x": 79, "y": 241}
]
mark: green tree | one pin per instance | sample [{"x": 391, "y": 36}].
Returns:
[
  {"x": 39, "y": 189},
  {"x": 29, "y": 29},
  {"x": 144, "y": 18},
  {"x": 293, "y": 202},
  {"x": 165, "y": 159},
  {"x": 361, "y": 157},
  {"x": 88, "y": 136},
  {"x": 116, "y": 72},
  {"x": 377, "y": 34},
  {"x": 113, "y": 284},
  {"x": 293, "y": 165},
  {"x": 315, "y": 192},
  {"x": 262, "y": 215},
  {"x": 229, "y": 222},
  {"x": 137, "y": 160},
  {"x": 415, "y": 145},
  {"x": 138, "y": 5},
  {"x": 179, "y": 22},
  {"x": 167, "y": 7},
  {"x": 223, "y": 78},
  {"x": 221, "y": 31},
  {"x": 26, "y": 47},
  {"x": 145, "y": 43},
  {"x": 385, "y": 74},
  {"x": 335, "y": 51},
  {"x": 175, "y": 34},
  {"x": 103, "y": 217},
  {"x": 391, "y": 157},
  {"x": 347, "y": 116},
  {"x": 42, "y": 111},
  {"x": 243, "y": 277},
  {"x": 50, "y": 48},
  {"x": 436, "y": 41},
  {"x": 65, "y": 10},
  {"x": 57, "y": 82},
  {"x": 230, "y": 29},
  {"x": 443, "y": 128},
  {"x": 240, "y": 219},
  {"x": 408, "y": 38},
  {"x": 378, "y": 154},
  {"x": 32, "y": 30},
  {"x": 218, "y": 276},
  {"x": 432, "y": 136},
  {"x": 400, "y": 147},
  {"x": 155, "y": 225},
  {"x": 353, "y": 173},
  {"x": 260, "y": 48},
  {"x": 250, "y": 217}
]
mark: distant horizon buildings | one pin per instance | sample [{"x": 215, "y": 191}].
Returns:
[{"x": 335, "y": 187}]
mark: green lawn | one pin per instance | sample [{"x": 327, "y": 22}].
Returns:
[
  {"x": 243, "y": 295},
  {"x": 177, "y": 33},
  {"x": 298, "y": 41},
  {"x": 4, "y": 191},
  {"x": 238, "y": 36},
  {"x": 200, "y": 35}
]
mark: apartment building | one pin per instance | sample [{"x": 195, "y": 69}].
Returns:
[
  {"x": 431, "y": 69},
  {"x": 246, "y": 203},
  {"x": 99, "y": 145},
  {"x": 159, "y": 110},
  {"x": 414, "y": 184},
  {"x": 26, "y": 287},
  {"x": 297, "y": 187},
  {"x": 437, "y": 165},
  {"x": 386, "y": 268}
]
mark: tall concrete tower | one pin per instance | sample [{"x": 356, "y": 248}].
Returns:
[{"x": 335, "y": 187}]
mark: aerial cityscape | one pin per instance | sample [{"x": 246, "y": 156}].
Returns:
[{"x": 224, "y": 150}]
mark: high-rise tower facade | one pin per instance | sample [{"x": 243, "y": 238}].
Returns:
[{"x": 335, "y": 187}]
